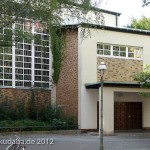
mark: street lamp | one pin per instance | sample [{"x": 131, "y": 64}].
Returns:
[{"x": 101, "y": 68}]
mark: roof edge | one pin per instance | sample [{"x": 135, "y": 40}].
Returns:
[
  {"x": 105, "y": 11},
  {"x": 112, "y": 84},
  {"x": 110, "y": 28}
]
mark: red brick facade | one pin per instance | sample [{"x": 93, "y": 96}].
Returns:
[
  {"x": 67, "y": 86},
  {"x": 15, "y": 95}
]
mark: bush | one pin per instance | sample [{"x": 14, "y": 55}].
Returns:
[{"x": 13, "y": 115}]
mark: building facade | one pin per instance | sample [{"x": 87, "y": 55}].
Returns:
[
  {"x": 125, "y": 52},
  {"x": 28, "y": 63}
]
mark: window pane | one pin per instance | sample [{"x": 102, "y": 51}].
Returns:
[
  {"x": 19, "y": 58},
  {"x": 7, "y": 76},
  {"x": 19, "y": 71},
  {"x": 115, "y": 53},
  {"x": 7, "y": 83},
  {"x": 8, "y": 57},
  {"x": 27, "y": 59},
  {"x": 37, "y": 78},
  {"x": 116, "y": 48},
  {"x": 131, "y": 55},
  {"x": 27, "y": 71},
  {"x": 107, "y": 47},
  {"x": 100, "y": 52},
  {"x": 19, "y": 83},
  {"x": 1, "y": 83},
  {"x": 37, "y": 72},
  {"x": 123, "y": 54},
  {"x": 38, "y": 84},
  {"x": 27, "y": 77},
  {"x": 27, "y": 65},
  {"x": 28, "y": 47},
  {"x": 130, "y": 49},
  {"x": 8, "y": 63},
  {"x": 8, "y": 50},
  {"x": 45, "y": 67},
  {"x": 27, "y": 84},
  {"x": 8, "y": 70},
  {"x": 19, "y": 64},
  {"x": 19, "y": 52},
  {"x": 106, "y": 52},
  {"x": 19, "y": 77},
  {"x": 1, "y": 69},
  {"x": 137, "y": 53},
  {"x": 122, "y": 48},
  {"x": 28, "y": 53}
]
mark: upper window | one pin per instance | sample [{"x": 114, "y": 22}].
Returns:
[
  {"x": 119, "y": 51},
  {"x": 27, "y": 62}
]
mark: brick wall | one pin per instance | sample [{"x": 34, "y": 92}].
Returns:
[
  {"x": 120, "y": 70},
  {"x": 67, "y": 86},
  {"x": 15, "y": 95}
]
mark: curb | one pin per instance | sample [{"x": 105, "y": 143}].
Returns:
[{"x": 62, "y": 132}]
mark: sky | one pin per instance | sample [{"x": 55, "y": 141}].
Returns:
[{"x": 127, "y": 8}]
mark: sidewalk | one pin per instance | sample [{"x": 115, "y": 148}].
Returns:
[{"x": 49, "y": 141}]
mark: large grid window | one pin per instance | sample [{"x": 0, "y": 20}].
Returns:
[
  {"x": 6, "y": 58},
  {"x": 27, "y": 62},
  {"x": 119, "y": 51}
]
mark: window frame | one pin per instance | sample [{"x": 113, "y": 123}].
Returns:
[
  {"x": 22, "y": 55},
  {"x": 126, "y": 56}
]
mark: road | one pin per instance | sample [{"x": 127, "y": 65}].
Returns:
[{"x": 45, "y": 141}]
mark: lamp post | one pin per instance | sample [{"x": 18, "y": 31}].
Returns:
[{"x": 101, "y": 68}]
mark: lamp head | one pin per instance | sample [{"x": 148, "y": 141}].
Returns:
[{"x": 102, "y": 67}]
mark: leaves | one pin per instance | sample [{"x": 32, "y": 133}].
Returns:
[
  {"x": 16, "y": 14},
  {"x": 143, "y": 77},
  {"x": 143, "y": 23}
]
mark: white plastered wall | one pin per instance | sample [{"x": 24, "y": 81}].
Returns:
[
  {"x": 129, "y": 95},
  {"x": 110, "y": 19},
  {"x": 87, "y": 71}
]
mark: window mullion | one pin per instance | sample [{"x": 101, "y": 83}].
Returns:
[
  {"x": 33, "y": 56},
  {"x": 126, "y": 52},
  {"x": 111, "y": 49},
  {"x": 13, "y": 55}
]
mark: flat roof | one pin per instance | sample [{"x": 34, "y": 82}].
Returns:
[
  {"x": 105, "y": 11},
  {"x": 112, "y": 84},
  {"x": 110, "y": 28}
]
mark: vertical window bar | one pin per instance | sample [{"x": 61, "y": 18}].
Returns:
[
  {"x": 13, "y": 55},
  {"x": 33, "y": 56}
]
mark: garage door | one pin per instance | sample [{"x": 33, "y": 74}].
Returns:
[{"x": 127, "y": 115}]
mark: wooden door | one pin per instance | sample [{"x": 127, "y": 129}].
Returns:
[{"x": 127, "y": 115}]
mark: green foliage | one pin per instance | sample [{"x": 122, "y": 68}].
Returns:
[
  {"x": 143, "y": 23},
  {"x": 15, "y": 116},
  {"x": 146, "y": 2},
  {"x": 58, "y": 44},
  {"x": 144, "y": 79},
  {"x": 48, "y": 12}
]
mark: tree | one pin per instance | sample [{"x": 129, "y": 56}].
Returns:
[
  {"x": 146, "y": 2},
  {"x": 144, "y": 79},
  {"x": 143, "y": 23},
  {"x": 49, "y": 11},
  {"x": 50, "y": 14}
]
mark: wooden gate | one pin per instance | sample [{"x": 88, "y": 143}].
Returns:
[{"x": 127, "y": 115}]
